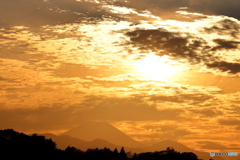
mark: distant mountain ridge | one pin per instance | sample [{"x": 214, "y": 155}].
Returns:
[
  {"x": 168, "y": 143},
  {"x": 180, "y": 148},
  {"x": 102, "y": 134},
  {"x": 63, "y": 141},
  {"x": 91, "y": 130}
]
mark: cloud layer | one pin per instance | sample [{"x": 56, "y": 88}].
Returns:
[{"x": 65, "y": 62}]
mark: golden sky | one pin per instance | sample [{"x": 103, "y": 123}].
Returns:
[{"x": 154, "y": 69}]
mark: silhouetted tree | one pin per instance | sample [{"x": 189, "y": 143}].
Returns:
[
  {"x": 15, "y": 145},
  {"x": 73, "y": 153},
  {"x": 129, "y": 155},
  {"x": 115, "y": 151},
  {"x": 134, "y": 157},
  {"x": 123, "y": 155},
  {"x": 168, "y": 154}
]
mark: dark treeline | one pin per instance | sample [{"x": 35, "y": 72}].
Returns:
[{"x": 15, "y": 145}]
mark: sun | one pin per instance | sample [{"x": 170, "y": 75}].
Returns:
[{"x": 157, "y": 68}]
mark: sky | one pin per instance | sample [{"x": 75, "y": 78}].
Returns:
[{"x": 155, "y": 69}]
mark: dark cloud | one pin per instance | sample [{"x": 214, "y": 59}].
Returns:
[
  {"x": 238, "y": 127},
  {"x": 34, "y": 13},
  {"x": 184, "y": 46},
  {"x": 225, "y": 27},
  {"x": 225, "y": 66},
  {"x": 6, "y": 38},
  {"x": 3, "y": 79},
  {"x": 229, "y": 122},
  {"x": 154, "y": 5},
  {"x": 173, "y": 44},
  {"x": 223, "y": 7},
  {"x": 224, "y": 44}
]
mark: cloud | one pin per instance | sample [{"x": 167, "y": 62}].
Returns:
[
  {"x": 207, "y": 112},
  {"x": 222, "y": 66},
  {"x": 147, "y": 131},
  {"x": 91, "y": 108},
  {"x": 68, "y": 70},
  {"x": 173, "y": 130},
  {"x": 229, "y": 122},
  {"x": 223, "y": 7},
  {"x": 223, "y": 44},
  {"x": 193, "y": 98},
  {"x": 196, "y": 50},
  {"x": 173, "y": 44},
  {"x": 117, "y": 78},
  {"x": 135, "y": 109},
  {"x": 167, "y": 127},
  {"x": 161, "y": 132},
  {"x": 153, "y": 4},
  {"x": 217, "y": 146},
  {"x": 238, "y": 127},
  {"x": 225, "y": 27},
  {"x": 211, "y": 145},
  {"x": 75, "y": 68},
  {"x": 35, "y": 13},
  {"x": 149, "y": 120},
  {"x": 41, "y": 119}
]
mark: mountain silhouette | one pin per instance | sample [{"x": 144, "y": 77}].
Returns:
[
  {"x": 91, "y": 130},
  {"x": 179, "y": 147},
  {"x": 168, "y": 143},
  {"x": 63, "y": 141}
]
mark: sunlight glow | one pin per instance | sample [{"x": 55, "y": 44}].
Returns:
[
  {"x": 120, "y": 10},
  {"x": 157, "y": 68}
]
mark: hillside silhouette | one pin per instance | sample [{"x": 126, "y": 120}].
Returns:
[
  {"x": 65, "y": 140},
  {"x": 179, "y": 147},
  {"x": 15, "y": 145},
  {"x": 91, "y": 130}
]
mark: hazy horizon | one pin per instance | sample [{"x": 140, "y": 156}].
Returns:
[{"x": 78, "y": 141}]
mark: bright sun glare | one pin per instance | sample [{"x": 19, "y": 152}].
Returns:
[{"x": 156, "y": 68}]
